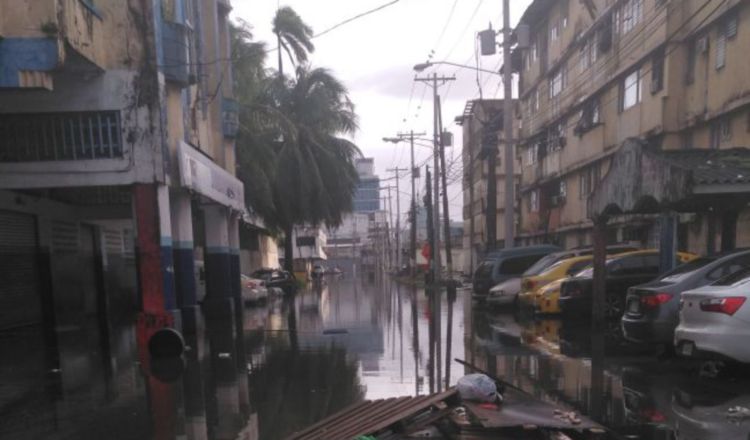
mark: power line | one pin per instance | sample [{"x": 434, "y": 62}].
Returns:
[{"x": 356, "y": 17}]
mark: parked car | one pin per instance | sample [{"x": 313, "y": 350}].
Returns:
[
  {"x": 277, "y": 278},
  {"x": 500, "y": 266},
  {"x": 652, "y": 311},
  {"x": 530, "y": 284},
  {"x": 505, "y": 293},
  {"x": 714, "y": 320},
  {"x": 547, "y": 300},
  {"x": 623, "y": 271},
  {"x": 253, "y": 290}
]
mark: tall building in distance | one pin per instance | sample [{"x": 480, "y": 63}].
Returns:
[{"x": 367, "y": 197}]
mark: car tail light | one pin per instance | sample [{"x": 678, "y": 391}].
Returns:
[
  {"x": 653, "y": 301},
  {"x": 654, "y": 415},
  {"x": 728, "y": 306}
]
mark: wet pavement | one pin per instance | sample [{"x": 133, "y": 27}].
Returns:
[{"x": 335, "y": 344}]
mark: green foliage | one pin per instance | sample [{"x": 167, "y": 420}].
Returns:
[
  {"x": 291, "y": 154},
  {"x": 293, "y": 35}
]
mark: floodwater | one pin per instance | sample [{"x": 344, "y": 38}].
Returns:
[{"x": 305, "y": 357}]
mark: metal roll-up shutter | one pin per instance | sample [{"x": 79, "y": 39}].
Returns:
[{"x": 19, "y": 274}]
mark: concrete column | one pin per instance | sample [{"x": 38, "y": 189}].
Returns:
[
  {"x": 196, "y": 427},
  {"x": 239, "y": 307},
  {"x": 154, "y": 248},
  {"x": 668, "y": 241}
]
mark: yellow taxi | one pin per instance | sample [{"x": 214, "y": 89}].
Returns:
[
  {"x": 530, "y": 285},
  {"x": 547, "y": 299}
]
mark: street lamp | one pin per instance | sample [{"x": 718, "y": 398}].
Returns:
[{"x": 421, "y": 67}]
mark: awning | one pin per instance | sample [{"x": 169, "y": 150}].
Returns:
[
  {"x": 200, "y": 174},
  {"x": 642, "y": 179}
]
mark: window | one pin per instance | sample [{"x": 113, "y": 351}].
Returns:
[
  {"x": 730, "y": 25},
  {"x": 554, "y": 33},
  {"x": 517, "y": 265},
  {"x": 534, "y": 201},
  {"x": 632, "y": 13},
  {"x": 534, "y": 52},
  {"x": 556, "y": 137},
  {"x": 721, "y": 131},
  {"x": 305, "y": 241},
  {"x": 692, "y": 57},
  {"x": 534, "y": 101},
  {"x": 721, "y": 50},
  {"x": 578, "y": 266},
  {"x": 557, "y": 83},
  {"x": 588, "y": 180},
  {"x": 532, "y": 154},
  {"x": 563, "y": 189},
  {"x": 657, "y": 71},
  {"x": 590, "y": 117},
  {"x": 631, "y": 90}
]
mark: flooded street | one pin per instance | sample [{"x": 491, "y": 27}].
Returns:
[{"x": 335, "y": 344}]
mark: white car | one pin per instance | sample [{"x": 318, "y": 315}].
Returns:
[
  {"x": 253, "y": 290},
  {"x": 715, "y": 320},
  {"x": 505, "y": 293}
]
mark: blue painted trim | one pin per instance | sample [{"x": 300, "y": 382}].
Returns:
[
  {"x": 217, "y": 250},
  {"x": 166, "y": 241},
  {"x": 234, "y": 251},
  {"x": 183, "y": 244},
  {"x": 35, "y": 54},
  {"x": 93, "y": 9}
]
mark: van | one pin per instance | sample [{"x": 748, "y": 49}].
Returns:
[{"x": 502, "y": 265}]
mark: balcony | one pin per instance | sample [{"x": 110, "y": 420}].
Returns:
[
  {"x": 51, "y": 35},
  {"x": 176, "y": 64},
  {"x": 60, "y": 137}
]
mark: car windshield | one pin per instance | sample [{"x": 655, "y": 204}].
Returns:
[
  {"x": 541, "y": 265},
  {"x": 484, "y": 270},
  {"x": 685, "y": 270}
]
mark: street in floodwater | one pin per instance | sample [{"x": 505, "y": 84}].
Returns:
[{"x": 353, "y": 341}]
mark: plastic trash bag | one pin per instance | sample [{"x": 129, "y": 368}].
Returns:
[{"x": 478, "y": 388}]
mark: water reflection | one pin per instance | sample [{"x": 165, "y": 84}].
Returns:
[{"x": 628, "y": 389}]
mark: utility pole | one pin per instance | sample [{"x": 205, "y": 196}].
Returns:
[
  {"x": 433, "y": 82},
  {"x": 446, "y": 212},
  {"x": 390, "y": 221},
  {"x": 414, "y": 174},
  {"x": 397, "y": 171},
  {"x": 430, "y": 230},
  {"x": 508, "y": 130},
  {"x": 388, "y": 247}
]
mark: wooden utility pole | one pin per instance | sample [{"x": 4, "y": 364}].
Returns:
[
  {"x": 414, "y": 174},
  {"x": 446, "y": 211},
  {"x": 433, "y": 82},
  {"x": 397, "y": 172}
]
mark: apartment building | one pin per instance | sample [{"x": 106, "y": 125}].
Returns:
[
  {"x": 667, "y": 74},
  {"x": 117, "y": 175},
  {"x": 482, "y": 123}
]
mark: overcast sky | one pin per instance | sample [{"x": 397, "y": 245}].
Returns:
[{"x": 374, "y": 57}]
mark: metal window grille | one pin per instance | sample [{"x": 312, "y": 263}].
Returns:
[{"x": 60, "y": 136}]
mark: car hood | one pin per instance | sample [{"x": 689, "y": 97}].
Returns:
[{"x": 512, "y": 285}]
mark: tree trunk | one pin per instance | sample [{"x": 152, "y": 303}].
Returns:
[
  {"x": 289, "y": 248},
  {"x": 281, "y": 63}
]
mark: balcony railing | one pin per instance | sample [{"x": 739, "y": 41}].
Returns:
[
  {"x": 60, "y": 136},
  {"x": 230, "y": 117}
]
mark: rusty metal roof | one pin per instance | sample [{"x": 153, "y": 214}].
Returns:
[
  {"x": 713, "y": 166},
  {"x": 369, "y": 417}
]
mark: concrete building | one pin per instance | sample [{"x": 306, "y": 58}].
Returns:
[
  {"x": 310, "y": 243},
  {"x": 668, "y": 75},
  {"x": 367, "y": 196},
  {"x": 117, "y": 175},
  {"x": 482, "y": 123}
]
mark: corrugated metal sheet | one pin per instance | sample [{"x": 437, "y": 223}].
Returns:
[
  {"x": 712, "y": 166},
  {"x": 369, "y": 417}
]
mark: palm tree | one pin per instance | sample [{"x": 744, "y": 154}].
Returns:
[
  {"x": 296, "y": 167},
  {"x": 315, "y": 178},
  {"x": 293, "y": 35}
]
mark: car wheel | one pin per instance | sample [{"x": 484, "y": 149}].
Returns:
[{"x": 614, "y": 306}]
